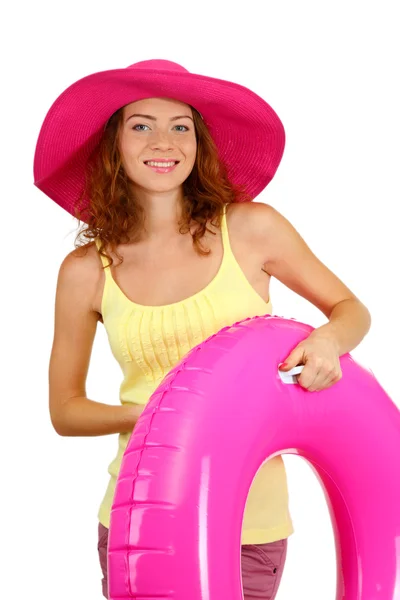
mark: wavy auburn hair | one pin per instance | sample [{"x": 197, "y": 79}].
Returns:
[{"x": 114, "y": 215}]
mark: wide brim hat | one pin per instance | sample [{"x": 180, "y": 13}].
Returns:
[{"x": 246, "y": 130}]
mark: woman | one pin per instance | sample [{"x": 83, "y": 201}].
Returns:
[{"x": 195, "y": 254}]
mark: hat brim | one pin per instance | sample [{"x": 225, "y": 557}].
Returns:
[{"x": 247, "y": 131}]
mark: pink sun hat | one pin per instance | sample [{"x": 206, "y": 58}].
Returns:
[{"x": 247, "y": 132}]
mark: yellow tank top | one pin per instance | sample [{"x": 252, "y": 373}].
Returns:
[{"x": 148, "y": 341}]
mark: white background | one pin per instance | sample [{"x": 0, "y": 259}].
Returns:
[{"x": 330, "y": 70}]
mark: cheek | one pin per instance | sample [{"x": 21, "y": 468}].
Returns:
[
  {"x": 129, "y": 145},
  {"x": 190, "y": 150},
  {"x": 130, "y": 154}
]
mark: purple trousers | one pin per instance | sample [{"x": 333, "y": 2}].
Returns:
[{"x": 262, "y": 567}]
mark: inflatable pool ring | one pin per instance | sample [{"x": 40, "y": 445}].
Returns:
[{"x": 177, "y": 514}]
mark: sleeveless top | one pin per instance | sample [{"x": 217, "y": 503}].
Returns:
[{"x": 148, "y": 341}]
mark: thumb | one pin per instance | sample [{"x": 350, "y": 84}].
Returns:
[{"x": 294, "y": 358}]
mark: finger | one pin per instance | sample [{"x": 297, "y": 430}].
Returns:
[
  {"x": 325, "y": 382},
  {"x": 308, "y": 378}
]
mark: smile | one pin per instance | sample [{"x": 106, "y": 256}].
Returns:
[{"x": 156, "y": 166}]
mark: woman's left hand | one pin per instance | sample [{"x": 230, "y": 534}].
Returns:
[{"x": 320, "y": 357}]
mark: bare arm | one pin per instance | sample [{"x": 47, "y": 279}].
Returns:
[
  {"x": 85, "y": 417},
  {"x": 71, "y": 412}
]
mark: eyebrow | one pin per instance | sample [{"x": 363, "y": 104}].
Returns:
[{"x": 155, "y": 118}]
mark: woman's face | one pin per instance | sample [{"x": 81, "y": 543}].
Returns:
[{"x": 164, "y": 129}]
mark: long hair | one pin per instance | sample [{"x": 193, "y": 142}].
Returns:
[{"x": 114, "y": 215}]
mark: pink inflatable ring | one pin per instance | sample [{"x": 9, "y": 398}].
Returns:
[{"x": 216, "y": 417}]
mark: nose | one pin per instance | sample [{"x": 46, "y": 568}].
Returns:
[
  {"x": 161, "y": 140},
  {"x": 162, "y": 147}
]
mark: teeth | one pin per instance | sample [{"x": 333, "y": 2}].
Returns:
[{"x": 160, "y": 164}]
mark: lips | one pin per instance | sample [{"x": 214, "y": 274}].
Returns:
[
  {"x": 161, "y": 160},
  {"x": 163, "y": 169}
]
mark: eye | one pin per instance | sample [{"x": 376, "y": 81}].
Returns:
[
  {"x": 141, "y": 125},
  {"x": 187, "y": 128},
  {"x": 134, "y": 127}
]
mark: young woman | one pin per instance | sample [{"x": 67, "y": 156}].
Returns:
[{"x": 162, "y": 165}]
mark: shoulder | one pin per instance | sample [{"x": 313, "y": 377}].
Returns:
[
  {"x": 250, "y": 208},
  {"x": 81, "y": 261},
  {"x": 263, "y": 227},
  {"x": 80, "y": 270},
  {"x": 249, "y": 219}
]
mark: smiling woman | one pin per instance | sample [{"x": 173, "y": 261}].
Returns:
[
  {"x": 100, "y": 155},
  {"x": 114, "y": 173},
  {"x": 164, "y": 125}
]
